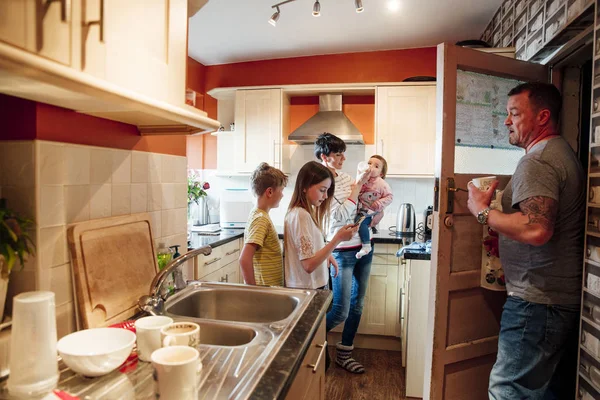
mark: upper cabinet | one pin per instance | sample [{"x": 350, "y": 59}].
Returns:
[
  {"x": 119, "y": 60},
  {"x": 259, "y": 133},
  {"x": 38, "y": 26},
  {"x": 405, "y": 129},
  {"x": 137, "y": 44}
]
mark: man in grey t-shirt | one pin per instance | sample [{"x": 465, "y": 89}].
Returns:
[{"x": 541, "y": 249}]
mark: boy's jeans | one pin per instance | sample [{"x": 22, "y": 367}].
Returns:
[
  {"x": 349, "y": 289},
  {"x": 363, "y": 230},
  {"x": 537, "y": 351}
]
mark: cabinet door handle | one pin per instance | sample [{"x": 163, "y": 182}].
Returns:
[
  {"x": 222, "y": 279},
  {"x": 65, "y": 8},
  {"x": 315, "y": 366},
  {"x": 232, "y": 252},
  {"x": 214, "y": 260},
  {"x": 227, "y": 278}
]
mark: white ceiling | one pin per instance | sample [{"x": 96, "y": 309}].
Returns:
[{"x": 228, "y": 31}]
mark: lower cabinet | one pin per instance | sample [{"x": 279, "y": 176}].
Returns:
[
  {"x": 221, "y": 265},
  {"x": 309, "y": 383}
]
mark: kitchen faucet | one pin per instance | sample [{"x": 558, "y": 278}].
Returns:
[{"x": 154, "y": 303}]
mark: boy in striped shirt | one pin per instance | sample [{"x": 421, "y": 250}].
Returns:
[{"x": 261, "y": 259}]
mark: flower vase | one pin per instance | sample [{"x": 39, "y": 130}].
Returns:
[
  {"x": 203, "y": 216},
  {"x": 4, "y": 274}
]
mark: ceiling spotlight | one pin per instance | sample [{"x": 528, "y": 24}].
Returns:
[
  {"x": 359, "y": 6},
  {"x": 274, "y": 18},
  {"x": 317, "y": 9}
]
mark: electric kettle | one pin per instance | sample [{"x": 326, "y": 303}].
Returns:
[{"x": 405, "y": 222}]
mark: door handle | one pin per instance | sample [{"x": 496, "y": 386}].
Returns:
[{"x": 315, "y": 366}]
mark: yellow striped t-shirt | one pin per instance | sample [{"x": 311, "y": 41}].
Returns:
[{"x": 268, "y": 259}]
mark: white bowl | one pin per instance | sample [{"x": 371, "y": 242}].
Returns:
[{"x": 96, "y": 352}]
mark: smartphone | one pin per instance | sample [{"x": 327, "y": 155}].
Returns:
[{"x": 360, "y": 220}]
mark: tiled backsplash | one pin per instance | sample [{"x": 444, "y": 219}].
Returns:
[
  {"x": 59, "y": 184},
  {"x": 417, "y": 191}
]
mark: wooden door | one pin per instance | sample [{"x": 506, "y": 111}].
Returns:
[
  {"x": 463, "y": 319},
  {"x": 39, "y": 26},
  {"x": 406, "y": 129},
  {"x": 257, "y": 127}
]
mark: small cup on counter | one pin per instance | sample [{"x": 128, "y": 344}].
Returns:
[
  {"x": 147, "y": 330},
  {"x": 180, "y": 334},
  {"x": 176, "y": 371}
]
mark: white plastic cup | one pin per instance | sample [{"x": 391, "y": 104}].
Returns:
[
  {"x": 33, "y": 357},
  {"x": 176, "y": 371},
  {"x": 484, "y": 183},
  {"x": 362, "y": 167},
  {"x": 147, "y": 331}
]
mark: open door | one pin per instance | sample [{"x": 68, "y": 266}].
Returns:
[{"x": 464, "y": 319}]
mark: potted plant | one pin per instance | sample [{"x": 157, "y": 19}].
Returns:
[
  {"x": 197, "y": 194},
  {"x": 15, "y": 246}
]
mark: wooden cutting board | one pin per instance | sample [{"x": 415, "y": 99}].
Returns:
[{"x": 114, "y": 262}]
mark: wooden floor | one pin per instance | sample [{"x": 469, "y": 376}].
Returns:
[{"x": 384, "y": 378}]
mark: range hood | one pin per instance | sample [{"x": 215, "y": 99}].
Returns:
[{"x": 330, "y": 118}]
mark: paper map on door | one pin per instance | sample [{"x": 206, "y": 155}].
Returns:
[{"x": 481, "y": 110}]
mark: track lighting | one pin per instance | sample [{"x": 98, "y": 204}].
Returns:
[
  {"x": 359, "y": 6},
  {"x": 317, "y": 9},
  {"x": 274, "y": 17}
]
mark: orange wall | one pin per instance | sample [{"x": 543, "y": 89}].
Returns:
[
  {"x": 28, "y": 120},
  {"x": 377, "y": 66}
]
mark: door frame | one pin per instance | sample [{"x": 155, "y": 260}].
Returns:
[{"x": 438, "y": 354}]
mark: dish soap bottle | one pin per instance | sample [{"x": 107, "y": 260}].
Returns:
[{"x": 164, "y": 256}]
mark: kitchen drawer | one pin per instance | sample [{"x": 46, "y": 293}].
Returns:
[
  {"x": 230, "y": 251},
  {"x": 205, "y": 265},
  {"x": 385, "y": 253},
  {"x": 312, "y": 369}
]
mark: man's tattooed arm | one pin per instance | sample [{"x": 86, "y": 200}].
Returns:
[{"x": 540, "y": 210}]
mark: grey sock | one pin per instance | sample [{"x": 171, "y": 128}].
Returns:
[{"x": 344, "y": 359}]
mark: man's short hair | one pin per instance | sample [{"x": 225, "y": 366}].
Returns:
[
  {"x": 541, "y": 96},
  {"x": 264, "y": 177},
  {"x": 328, "y": 143}
]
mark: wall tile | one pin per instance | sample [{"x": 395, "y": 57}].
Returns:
[
  {"x": 52, "y": 206},
  {"x": 101, "y": 166},
  {"x": 169, "y": 222},
  {"x": 180, "y": 169},
  {"x": 168, "y": 196},
  {"x": 180, "y": 221},
  {"x": 51, "y": 163},
  {"x": 155, "y": 223},
  {"x": 20, "y": 281},
  {"x": 139, "y": 167},
  {"x": 121, "y": 199},
  {"x": 65, "y": 319},
  {"x": 77, "y": 165},
  {"x": 52, "y": 247},
  {"x": 154, "y": 167},
  {"x": 155, "y": 196},
  {"x": 121, "y": 166},
  {"x": 77, "y": 203},
  {"x": 61, "y": 284},
  {"x": 21, "y": 199},
  {"x": 181, "y": 198},
  {"x": 100, "y": 201},
  {"x": 170, "y": 167},
  {"x": 139, "y": 197},
  {"x": 17, "y": 164}
]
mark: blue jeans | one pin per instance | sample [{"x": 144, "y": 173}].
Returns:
[
  {"x": 363, "y": 230},
  {"x": 349, "y": 289},
  {"x": 537, "y": 351}
]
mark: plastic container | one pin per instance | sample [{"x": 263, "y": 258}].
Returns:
[{"x": 164, "y": 255}]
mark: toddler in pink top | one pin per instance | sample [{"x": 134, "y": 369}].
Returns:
[{"x": 375, "y": 195}]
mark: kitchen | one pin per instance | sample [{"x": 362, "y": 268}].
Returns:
[{"x": 62, "y": 167}]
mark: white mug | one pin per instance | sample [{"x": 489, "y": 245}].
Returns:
[
  {"x": 484, "y": 182},
  {"x": 597, "y": 134},
  {"x": 147, "y": 331},
  {"x": 180, "y": 334},
  {"x": 594, "y": 194},
  {"x": 175, "y": 373}
]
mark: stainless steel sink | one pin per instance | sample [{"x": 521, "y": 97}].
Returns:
[
  {"x": 235, "y": 304},
  {"x": 216, "y": 334}
]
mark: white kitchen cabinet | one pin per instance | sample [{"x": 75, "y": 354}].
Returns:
[
  {"x": 137, "y": 44},
  {"x": 381, "y": 310},
  {"x": 418, "y": 303},
  {"x": 259, "y": 134},
  {"x": 38, "y": 26},
  {"x": 405, "y": 129}
]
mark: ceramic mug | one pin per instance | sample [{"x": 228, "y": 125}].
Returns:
[
  {"x": 147, "y": 331},
  {"x": 175, "y": 373},
  {"x": 484, "y": 182},
  {"x": 594, "y": 194},
  {"x": 597, "y": 134},
  {"x": 180, "y": 334}
]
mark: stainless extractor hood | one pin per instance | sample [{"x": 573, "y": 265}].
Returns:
[{"x": 330, "y": 118}]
